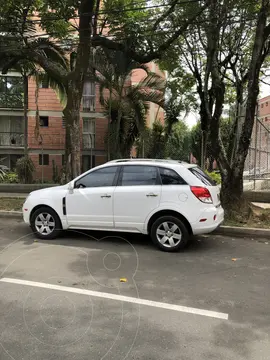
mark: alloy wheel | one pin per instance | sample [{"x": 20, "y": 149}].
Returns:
[
  {"x": 44, "y": 223},
  {"x": 169, "y": 234}
]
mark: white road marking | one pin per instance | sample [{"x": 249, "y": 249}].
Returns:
[{"x": 128, "y": 299}]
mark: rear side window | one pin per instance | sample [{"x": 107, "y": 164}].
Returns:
[
  {"x": 138, "y": 175},
  {"x": 170, "y": 177},
  {"x": 201, "y": 175}
]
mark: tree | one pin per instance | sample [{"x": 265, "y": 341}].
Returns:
[
  {"x": 225, "y": 53},
  {"x": 154, "y": 143},
  {"x": 196, "y": 143},
  {"x": 127, "y": 104},
  {"x": 61, "y": 20},
  {"x": 178, "y": 143}
]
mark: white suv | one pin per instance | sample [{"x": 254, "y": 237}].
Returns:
[{"x": 170, "y": 200}]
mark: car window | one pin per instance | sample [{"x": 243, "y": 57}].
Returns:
[
  {"x": 200, "y": 174},
  {"x": 135, "y": 175},
  {"x": 170, "y": 177},
  {"x": 98, "y": 178}
]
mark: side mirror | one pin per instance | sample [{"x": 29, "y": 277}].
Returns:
[{"x": 70, "y": 187}]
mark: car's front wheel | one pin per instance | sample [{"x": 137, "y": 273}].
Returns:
[
  {"x": 45, "y": 223},
  {"x": 169, "y": 234}
]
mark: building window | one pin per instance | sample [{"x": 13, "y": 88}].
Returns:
[
  {"x": 44, "y": 121},
  {"x": 44, "y": 83},
  {"x": 63, "y": 122},
  {"x": 87, "y": 163},
  {"x": 89, "y": 133},
  {"x": 43, "y": 159},
  {"x": 11, "y": 92},
  {"x": 262, "y": 106},
  {"x": 89, "y": 96},
  {"x": 266, "y": 104},
  {"x": 11, "y": 131}
]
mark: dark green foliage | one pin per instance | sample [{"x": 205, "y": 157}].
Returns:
[{"x": 25, "y": 169}]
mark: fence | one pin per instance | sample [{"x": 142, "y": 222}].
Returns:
[{"x": 257, "y": 165}]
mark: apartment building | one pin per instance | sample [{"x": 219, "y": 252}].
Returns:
[{"x": 48, "y": 148}]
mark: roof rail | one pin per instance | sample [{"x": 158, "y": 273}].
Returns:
[{"x": 147, "y": 160}]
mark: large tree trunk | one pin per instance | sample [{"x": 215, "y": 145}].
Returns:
[
  {"x": 74, "y": 89},
  {"x": 232, "y": 190},
  {"x": 232, "y": 186},
  {"x": 25, "y": 113},
  {"x": 73, "y": 133}
]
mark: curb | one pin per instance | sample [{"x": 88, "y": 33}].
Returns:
[
  {"x": 222, "y": 230},
  {"x": 11, "y": 214},
  {"x": 242, "y": 231}
]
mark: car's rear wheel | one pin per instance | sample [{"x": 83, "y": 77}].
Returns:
[
  {"x": 45, "y": 223},
  {"x": 169, "y": 234}
]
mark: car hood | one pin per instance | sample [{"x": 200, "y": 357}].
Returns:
[{"x": 49, "y": 190}]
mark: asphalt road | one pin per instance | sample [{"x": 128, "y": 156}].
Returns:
[{"x": 218, "y": 274}]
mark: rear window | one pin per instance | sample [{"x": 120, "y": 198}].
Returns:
[{"x": 201, "y": 175}]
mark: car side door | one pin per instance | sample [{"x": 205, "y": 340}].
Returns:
[
  {"x": 137, "y": 195},
  {"x": 90, "y": 203}
]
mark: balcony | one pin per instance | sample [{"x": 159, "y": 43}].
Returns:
[
  {"x": 11, "y": 101},
  {"x": 11, "y": 92},
  {"x": 89, "y": 96},
  {"x": 11, "y": 139},
  {"x": 88, "y": 103}
]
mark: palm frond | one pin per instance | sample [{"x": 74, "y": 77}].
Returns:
[
  {"x": 52, "y": 51},
  {"x": 152, "y": 81}
]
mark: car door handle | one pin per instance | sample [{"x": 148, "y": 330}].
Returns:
[
  {"x": 106, "y": 196},
  {"x": 152, "y": 195}
]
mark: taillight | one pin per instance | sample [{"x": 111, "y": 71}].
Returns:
[{"x": 202, "y": 194}]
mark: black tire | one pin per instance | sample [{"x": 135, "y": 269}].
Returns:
[
  {"x": 182, "y": 231},
  {"x": 55, "y": 231}
]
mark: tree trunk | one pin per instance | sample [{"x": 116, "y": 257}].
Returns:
[
  {"x": 232, "y": 190},
  {"x": 74, "y": 88},
  {"x": 25, "y": 113},
  {"x": 232, "y": 186},
  {"x": 73, "y": 133},
  {"x": 109, "y": 127}
]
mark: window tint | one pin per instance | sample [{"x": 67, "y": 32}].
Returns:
[
  {"x": 170, "y": 177},
  {"x": 200, "y": 174},
  {"x": 139, "y": 175},
  {"x": 98, "y": 178}
]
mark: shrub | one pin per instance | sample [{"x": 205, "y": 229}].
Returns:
[
  {"x": 11, "y": 178},
  {"x": 56, "y": 177},
  {"x": 25, "y": 169},
  {"x": 214, "y": 176},
  {"x": 3, "y": 175}
]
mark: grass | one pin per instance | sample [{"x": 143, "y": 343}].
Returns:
[
  {"x": 11, "y": 204},
  {"x": 246, "y": 215},
  {"x": 249, "y": 224}
]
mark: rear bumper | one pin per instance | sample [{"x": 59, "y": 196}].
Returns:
[{"x": 214, "y": 218}]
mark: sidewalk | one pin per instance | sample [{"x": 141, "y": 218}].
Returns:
[{"x": 13, "y": 195}]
